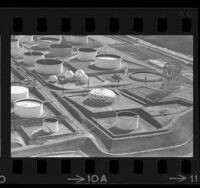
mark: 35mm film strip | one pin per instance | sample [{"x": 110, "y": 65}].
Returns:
[{"x": 99, "y": 96}]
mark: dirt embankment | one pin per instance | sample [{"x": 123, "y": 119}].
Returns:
[{"x": 182, "y": 44}]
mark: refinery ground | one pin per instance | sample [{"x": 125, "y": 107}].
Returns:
[{"x": 138, "y": 54}]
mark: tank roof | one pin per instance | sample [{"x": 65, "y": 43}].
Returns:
[{"x": 49, "y": 61}]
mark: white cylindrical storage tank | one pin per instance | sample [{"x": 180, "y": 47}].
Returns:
[
  {"x": 19, "y": 92},
  {"x": 31, "y": 57},
  {"x": 49, "y": 66},
  {"x": 127, "y": 120},
  {"x": 50, "y": 125},
  {"x": 26, "y": 38},
  {"x": 86, "y": 54},
  {"x": 79, "y": 39},
  {"x": 14, "y": 43},
  {"x": 109, "y": 61},
  {"x": 28, "y": 108},
  {"x": 45, "y": 42},
  {"x": 60, "y": 50}
]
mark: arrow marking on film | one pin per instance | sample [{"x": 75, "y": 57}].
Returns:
[
  {"x": 78, "y": 179},
  {"x": 180, "y": 178}
]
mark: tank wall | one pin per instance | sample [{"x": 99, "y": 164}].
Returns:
[
  {"x": 108, "y": 63},
  {"x": 22, "y": 95},
  {"x": 50, "y": 126},
  {"x": 86, "y": 55},
  {"x": 19, "y": 96},
  {"x": 28, "y": 112},
  {"x": 31, "y": 59},
  {"x": 127, "y": 124},
  {"x": 49, "y": 69}
]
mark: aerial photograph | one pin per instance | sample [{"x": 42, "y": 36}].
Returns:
[{"x": 101, "y": 96}]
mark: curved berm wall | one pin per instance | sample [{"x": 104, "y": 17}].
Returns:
[{"x": 180, "y": 131}]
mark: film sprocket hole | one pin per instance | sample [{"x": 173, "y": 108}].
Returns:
[{"x": 99, "y": 96}]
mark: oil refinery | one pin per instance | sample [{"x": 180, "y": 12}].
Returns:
[{"x": 99, "y": 96}]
